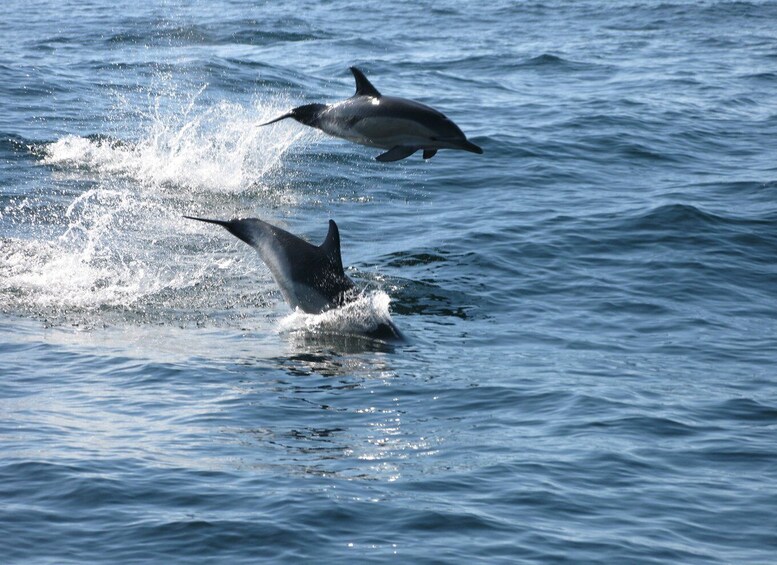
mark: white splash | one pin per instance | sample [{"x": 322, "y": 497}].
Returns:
[
  {"x": 362, "y": 316},
  {"x": 216, "y": 149},
  {"x": 123, "y": 243}
]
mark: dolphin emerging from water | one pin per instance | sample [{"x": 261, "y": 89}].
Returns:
[
  {"x": 402, "y": 126},
  {"x": 310, "y": 277}
]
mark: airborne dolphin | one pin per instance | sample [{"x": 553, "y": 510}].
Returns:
[
  {"x": 402, "y": 126},
  {"x": 310, "y": 277}
]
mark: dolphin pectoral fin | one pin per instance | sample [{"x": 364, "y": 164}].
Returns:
[
  {"x": 396, "y": 154},
  {"x": 429, "y": 153}
]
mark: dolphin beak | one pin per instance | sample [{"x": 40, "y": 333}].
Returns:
[
  {"x": 471, "y": 147},
  {"x": 208, "y": 220},
  {"x": 278, "y": 119}
]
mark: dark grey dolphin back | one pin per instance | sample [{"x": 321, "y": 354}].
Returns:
[{"x": 310, "y": 277}]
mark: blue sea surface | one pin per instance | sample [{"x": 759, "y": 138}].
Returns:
[{"x": 590, "y": 307}]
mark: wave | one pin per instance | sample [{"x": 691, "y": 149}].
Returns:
[
  {"x": 238, "y": 31},
  {"x": 675, "y": 217},
  {"x": 686, "y": 218},
  {"x": 678, "y": 230},
  {"x": 14, "y": 143},
  {"x": 548, "y": 60}
]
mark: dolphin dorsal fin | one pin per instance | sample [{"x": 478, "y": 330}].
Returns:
[
  {"x": 363, "y": 86},
  {"x": 331, "y": 246}
]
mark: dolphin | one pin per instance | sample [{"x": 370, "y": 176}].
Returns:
[
  {"x": 402, "y": 126},
  {"x": 310, "y": 277}
]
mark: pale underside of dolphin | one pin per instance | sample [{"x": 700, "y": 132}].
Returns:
[
  {"x": 310, "y": 277},
  {"x": 399, "y": 125}
]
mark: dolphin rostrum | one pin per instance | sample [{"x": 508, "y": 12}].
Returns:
[
  {"x": 402, "y": 126},
  {"x": 310, "y": 277}
]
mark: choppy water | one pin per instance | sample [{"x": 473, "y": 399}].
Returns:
[{"x": 590, "y": 306}]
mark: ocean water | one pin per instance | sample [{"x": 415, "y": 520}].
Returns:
[{"x": 590, "y": 306}]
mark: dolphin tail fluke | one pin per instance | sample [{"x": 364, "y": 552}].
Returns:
[{"x": 396, "y": 154}]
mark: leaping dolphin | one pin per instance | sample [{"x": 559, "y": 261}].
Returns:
[
  {"x": 310, "y": 277},
  {"x": 402, "y": 126}
]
